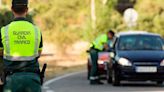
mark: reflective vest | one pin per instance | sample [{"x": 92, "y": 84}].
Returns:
[
  {"x": 99, "y": 42},
  {"x": 20, "y": 41}
]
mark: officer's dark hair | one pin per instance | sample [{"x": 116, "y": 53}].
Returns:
[
  {"x": 20, "y": 9},
  {"x": 111, "y": 32}
]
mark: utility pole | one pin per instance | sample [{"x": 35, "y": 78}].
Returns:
[
  {"x": 93, "y": 14},
  {"x": 0, "y": 3},
  {"x": 104, "y": 2}
]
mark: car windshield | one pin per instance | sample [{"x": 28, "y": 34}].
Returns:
[{"x": 140, "y": 42}]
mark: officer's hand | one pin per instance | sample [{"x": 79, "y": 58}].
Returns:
[
  {"x": 106, "y": 47},
  {"x": 1, "y": 82}
]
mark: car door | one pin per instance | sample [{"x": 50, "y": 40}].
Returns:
[{"x": 112, "y": 55}]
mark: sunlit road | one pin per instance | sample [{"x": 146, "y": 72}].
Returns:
[{"x": 78, "y": 83}]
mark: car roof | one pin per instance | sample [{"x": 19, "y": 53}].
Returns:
[{"x": 136, "y": 33}]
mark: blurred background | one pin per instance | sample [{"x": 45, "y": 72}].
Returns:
[{"x": 69, "y": 25}]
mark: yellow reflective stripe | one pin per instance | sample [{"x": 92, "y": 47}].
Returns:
[{"x": 7, "y": 40}]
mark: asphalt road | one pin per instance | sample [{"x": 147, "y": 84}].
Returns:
[{"x": 77, "y": 82}]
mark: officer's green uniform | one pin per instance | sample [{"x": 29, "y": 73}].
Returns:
[
  {"x": 97, "y": 45},
  {"x": 21, "y": 40}
]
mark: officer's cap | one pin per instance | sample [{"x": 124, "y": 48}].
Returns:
[{"x": 19, "y": 2}]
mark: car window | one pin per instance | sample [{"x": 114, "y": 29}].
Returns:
[
  {"x": 140, "y": 42},
  {"x": 163, "y": 43},
  {"x": 114, "y": 42}
]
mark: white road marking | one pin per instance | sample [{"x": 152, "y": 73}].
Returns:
[
  {"x": 45, "y": 85},
  {"x": 49, "y": 82},
  {"x": 49, "y": 91}
]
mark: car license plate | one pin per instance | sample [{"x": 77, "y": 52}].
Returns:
[{"x": 146, "y": 69}]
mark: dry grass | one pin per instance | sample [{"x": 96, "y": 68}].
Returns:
[
  {"x": 58, "y": 63},
  {"x": 54, "y": 70}
]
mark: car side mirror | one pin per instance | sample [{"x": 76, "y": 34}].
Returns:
[
  {"x": 111, "y": 50},
  {"x": 112, "y": 54}
]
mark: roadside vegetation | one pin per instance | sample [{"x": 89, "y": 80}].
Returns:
[
  {"x": 64, "y": 22},
  {"x": 67, "y": 21}
]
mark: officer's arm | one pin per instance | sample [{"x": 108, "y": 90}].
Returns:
[
  {"x": 106, "y": 47},
  {"x": 1, "y": 52},
  {"x": 40, "y": 46},
  {"x": 1, "y": 46},
  {"x": 105, "y": 42},
  {"x": 40, "y": 52}
]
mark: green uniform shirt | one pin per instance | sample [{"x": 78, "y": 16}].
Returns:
[{"x": 23, "y": 65}]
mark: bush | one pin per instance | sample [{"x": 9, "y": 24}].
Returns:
[
  {"x": 6, "y": 17},
  {"x": 67, "y": 21},
  {"x": 151, "y": 16}
]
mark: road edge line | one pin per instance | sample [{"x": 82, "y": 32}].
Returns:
[{"x": 59, "y": 78}]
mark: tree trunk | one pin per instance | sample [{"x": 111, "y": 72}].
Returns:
[
  {"x": 93, "y": 15},
  {"x": 0, "y": 3},
  {"x": 104, "y": 2}
]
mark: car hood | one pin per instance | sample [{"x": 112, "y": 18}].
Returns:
[
  {"x": 142, "y": 56},
  {"x": 104, "y": 56}
]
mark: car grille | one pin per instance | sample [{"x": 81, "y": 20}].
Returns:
[{"x": 145, "y": 64}]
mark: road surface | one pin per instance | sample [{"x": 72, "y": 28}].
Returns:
[{"x": 77, "y": 82}]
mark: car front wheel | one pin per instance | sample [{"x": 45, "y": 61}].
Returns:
[
  {"x": 88, "y": 75},
  {"x": 115, "y": 78},
  {"x": 159, "y": 82},
  {"x": 109, "y": 78}
]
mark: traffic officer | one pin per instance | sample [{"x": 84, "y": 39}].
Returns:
[
  {"x": 102, "y": 43},
  {"x": 21, "y": 46}
]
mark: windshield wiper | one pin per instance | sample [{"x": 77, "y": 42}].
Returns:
[{"x": 148, "y": 49}]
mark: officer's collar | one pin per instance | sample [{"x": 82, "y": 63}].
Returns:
[{"x": 20, "y": 19}]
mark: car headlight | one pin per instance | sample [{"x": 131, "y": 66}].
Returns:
[
  {"x": 100, "y": 62},
  {"x": 124, "y": 62},
  {"x": 162, "y": 63}
]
